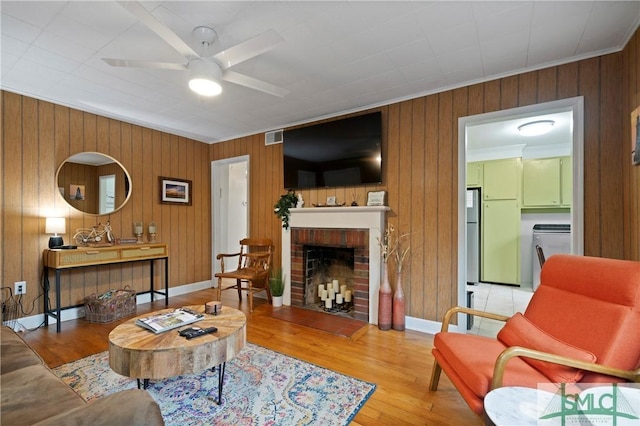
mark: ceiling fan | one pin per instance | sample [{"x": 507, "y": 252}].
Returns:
[{"x": 206, "y": 72}]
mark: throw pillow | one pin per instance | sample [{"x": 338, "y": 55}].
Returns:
[{"x": 519, "y": 331}]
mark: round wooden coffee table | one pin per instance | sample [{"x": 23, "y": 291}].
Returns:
[{"x": 139, "y": 353}]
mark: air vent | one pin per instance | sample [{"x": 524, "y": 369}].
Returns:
[{"x": 272, "y": 138}]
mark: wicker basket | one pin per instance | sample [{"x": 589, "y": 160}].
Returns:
[{"x": 110, "y": 306}]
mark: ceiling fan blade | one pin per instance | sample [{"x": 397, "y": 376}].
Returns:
[
  {"x": 132, "y": 63},
  {"x": 144, "y": 16},
  {"x": 248, "y": 49},
  {"x": 254, "y": 83}
]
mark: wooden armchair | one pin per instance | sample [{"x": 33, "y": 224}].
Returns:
[
  {"x": 254, "y": 262},
  {"x": 582, "y": 325}
]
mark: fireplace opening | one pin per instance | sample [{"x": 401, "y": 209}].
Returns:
[{"x": 328, "y": 279}]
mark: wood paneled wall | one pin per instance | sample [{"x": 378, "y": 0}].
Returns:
[
  {"x": 420, "y": 170},
  {"x": 37, "y": 137},
  {"x": 420, "y": 176},
  {"x": 631, "y": 174}
]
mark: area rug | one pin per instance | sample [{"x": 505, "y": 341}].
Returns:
[{"x": 261, "y": 387}]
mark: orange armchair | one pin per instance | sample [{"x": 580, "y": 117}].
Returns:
[{"x": 582, "y": 325}]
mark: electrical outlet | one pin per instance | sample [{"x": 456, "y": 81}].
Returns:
[{"x": 20, "y": 287}]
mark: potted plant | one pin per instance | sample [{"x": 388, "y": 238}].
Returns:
[
  {"x": 276, "y": 285},
  {"x": 281, "y": 208}
]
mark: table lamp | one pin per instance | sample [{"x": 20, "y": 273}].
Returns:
[{"x": 55, "y": 225}]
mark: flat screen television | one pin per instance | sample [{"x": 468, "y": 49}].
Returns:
[{"x": 345, "y": 152}]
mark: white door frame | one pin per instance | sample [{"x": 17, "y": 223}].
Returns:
[
  {"x": 216, "y": 209},
  {"x": 576, "y": 106}
]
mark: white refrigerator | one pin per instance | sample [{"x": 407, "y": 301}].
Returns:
[{"x": 473, "y": 236}]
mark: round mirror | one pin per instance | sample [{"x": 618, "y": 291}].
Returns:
[{"x": 94, "y": 183}]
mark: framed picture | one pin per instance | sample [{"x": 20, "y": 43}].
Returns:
[
  {"x": 376, "y": 198},
  {"x": 331, "y": 201},
  {"x": 175, "y": 191},
  {"x": 76, "y": 192},
  {"x": 635, "y": 136}
]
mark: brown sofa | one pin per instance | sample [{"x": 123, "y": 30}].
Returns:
[{"x": 32, "y": 395}]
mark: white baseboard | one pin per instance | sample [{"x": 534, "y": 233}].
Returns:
[
  {"x": 411, "y": 323},
  {"x": 426, "y": 326},
  {"x": 35, "y": 321}
]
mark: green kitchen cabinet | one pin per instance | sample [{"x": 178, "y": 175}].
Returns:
[
  {"x": 474, "y": 174},
  {"x": 566, "y": 181},
  {"x": 547, "y": 182},
  {"x": 541, "y": 183},
  {"x": 501, "y": 179},
  {"x": 501, "y": 241}
]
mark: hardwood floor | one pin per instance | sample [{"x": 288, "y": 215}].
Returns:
[{"x": 399, "y": 363}]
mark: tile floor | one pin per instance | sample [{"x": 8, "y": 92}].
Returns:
[{"x": 499, "y": 299}]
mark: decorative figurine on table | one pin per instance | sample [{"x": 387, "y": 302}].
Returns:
[{"x": 300, "y": 202}]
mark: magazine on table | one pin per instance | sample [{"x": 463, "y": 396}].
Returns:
[{"x": 160, "y": 323}]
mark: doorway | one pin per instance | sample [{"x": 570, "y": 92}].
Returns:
[
  {"x": 575, "y": 108},
  {"x": 229, "y": 205},
  {"x": 107, "y": 194}
]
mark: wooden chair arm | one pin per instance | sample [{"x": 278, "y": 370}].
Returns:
[
  {"x": 462, "y": 309},
  {"x": 518, "y": 351},
  {"x": 221, "y": 255}
]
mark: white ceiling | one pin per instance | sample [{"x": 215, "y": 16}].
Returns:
[
  {"x": 337, "y": 56},
  {"x": 502, "y": 139}
]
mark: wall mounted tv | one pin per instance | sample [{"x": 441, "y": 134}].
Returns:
[{"x": 345, "y": 152}]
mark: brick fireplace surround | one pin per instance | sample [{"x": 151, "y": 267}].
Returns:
[
  {"x": 357, "y": 239},
  {"x": 356, "y": 227}
]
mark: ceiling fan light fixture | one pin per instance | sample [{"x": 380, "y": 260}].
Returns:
[
  {"x": 536, "y": 128},
  {"x": 204, "y": 78},
  {"x": 205, "y": 87}
]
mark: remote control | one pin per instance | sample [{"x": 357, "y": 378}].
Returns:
[
  {"x": 186, "y": 331},
  {"x": 192, "y": 332}
]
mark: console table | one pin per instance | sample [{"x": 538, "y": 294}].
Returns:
[{"x": 82, "y": 257}]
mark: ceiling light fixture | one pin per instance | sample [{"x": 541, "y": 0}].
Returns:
[
  {"x": 536, "y": 128},
  {"x": 204, "y": 78}
]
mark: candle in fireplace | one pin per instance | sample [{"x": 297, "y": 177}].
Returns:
[
  {"x": 336, "y": 286},
  {"x": 327, "y": 303},
  {"x": 339, "y": 299},
  {"x": 323, "y": 295},
  {"x": 343, "y": 288},
  {"x": 320, "y": 289},
  {"x": 347, "y": 296}
]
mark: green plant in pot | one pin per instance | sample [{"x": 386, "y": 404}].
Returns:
[
  {"x": 281, "y": 208},
  {"x": 276, "y": 285}
]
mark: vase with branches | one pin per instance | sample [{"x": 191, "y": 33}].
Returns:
[
  {"x": 385, "y": 298},
  {"x": 400, "y": 251}
]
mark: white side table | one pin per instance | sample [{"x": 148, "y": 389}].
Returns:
[
  {"x": 513, "y": 405},
  {"x": 519, "y": 406}
]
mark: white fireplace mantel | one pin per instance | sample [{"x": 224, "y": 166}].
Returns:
[{"x": 370, "y": 217}]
